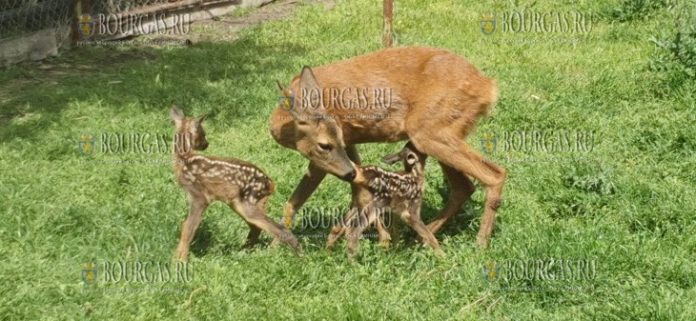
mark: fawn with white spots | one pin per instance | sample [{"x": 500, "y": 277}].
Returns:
[
  {"x": 241, "y": 185},
  {"x": 399, "y": 193}
]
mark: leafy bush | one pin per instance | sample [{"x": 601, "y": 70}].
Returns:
[
  {"x": 637, "y": 9},
  {"x": 677, "y": 52}
]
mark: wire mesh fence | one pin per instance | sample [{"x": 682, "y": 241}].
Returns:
[
  {"x": 113, "y": 19},
  {"x": 20, "y": 17},
  {"x": 35, "y": 29}
]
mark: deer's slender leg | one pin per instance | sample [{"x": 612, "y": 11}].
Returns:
[
  {"x": 466, "y": 160},
  {"x": 339, "y": 229},
  {"x": 393, "y": 228},
  {"x": 383, "y": 231},
  {"x": 190, "y": 225},
  {"x": 253, "y": 235},
  {"x": 413, "y": 219},
  {"x": 308, "y": 184},
  {"x": 353, "y": 154},
  {"x": 256, "y": 215},
  {"x": 355, "y": 190},
  {"x": 356, "y": 228},
  {"x": 461, "y": 189}
]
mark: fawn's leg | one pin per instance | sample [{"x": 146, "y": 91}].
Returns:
[
  {"x": 412, "y": 218},
  {"x": 253, "y": 235},
  {"x": 356, "y": 227},
  {"x": 382, "y": 230},
  {"x": 393, "y": 228},
  {"x": 189, "y": 226},
  {"x": 460, "y": 191},
  {"x": 339, "y": 229},
  {"x": 256, "y": 215}
]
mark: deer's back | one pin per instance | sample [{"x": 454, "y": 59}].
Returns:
[
  {"x": 388, "y": 185},
  {"x": 416, "y": 80},
  {"x": 224, "y": 178}
]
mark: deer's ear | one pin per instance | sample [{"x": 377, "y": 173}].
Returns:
[
  {"x": 283, "y": 89},
  {"x": 310, "y": 91},
  {"x": 411, "y": 159},
  {"x": 307, "y": 79},
  {"x": 177, "y": 116},
  {"x": 392, "y": 158},
  {"x": 202, "y": 118}
]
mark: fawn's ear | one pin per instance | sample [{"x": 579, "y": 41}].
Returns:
[
  {"x": 202, "y": 118},
  {"x": 393, "y": 158},
  {"x": 177, "y": 116},
  {"x": 411, "y": 159}
]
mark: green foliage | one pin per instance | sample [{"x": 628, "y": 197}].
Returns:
[
  {"x": 676, "y": 53},
  {"x": 638, "y": 9}
]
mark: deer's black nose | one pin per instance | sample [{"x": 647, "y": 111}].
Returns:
[{"x": 350, "y": 176}]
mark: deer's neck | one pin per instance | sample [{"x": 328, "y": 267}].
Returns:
[{"x": 183, "y": 150}]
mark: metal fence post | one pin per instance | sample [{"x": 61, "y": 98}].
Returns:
[{"x": 388, "y": 17}]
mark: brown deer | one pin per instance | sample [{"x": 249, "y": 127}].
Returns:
[
  {"x": 241, "y": 185},
  {"x": 435, "y": 98},
  {"x": 378, "y": 190}
]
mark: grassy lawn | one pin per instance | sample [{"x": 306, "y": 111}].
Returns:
[{"x": 625, "y": 203}]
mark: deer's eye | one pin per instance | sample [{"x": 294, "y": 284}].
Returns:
[{"x": 326, "y": 147}]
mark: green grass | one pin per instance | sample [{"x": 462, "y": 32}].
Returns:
[{"x": 629, "y": 204}]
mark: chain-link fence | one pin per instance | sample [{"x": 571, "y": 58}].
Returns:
[
  {"x": 20, "y": 17},
  {"x": 116, "y": 6},
  {"x": 35, "y": 29}
]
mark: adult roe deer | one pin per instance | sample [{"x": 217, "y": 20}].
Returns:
[{"x": 435, "y": 99}]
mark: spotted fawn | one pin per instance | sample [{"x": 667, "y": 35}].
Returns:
[
  {"x": 380, "y": 191},
  {"x": 241, "y": 185}
]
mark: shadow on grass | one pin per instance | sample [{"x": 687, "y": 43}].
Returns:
[
  {"x": 202, "y": 241},
  {"x": 150, "y": 79}
]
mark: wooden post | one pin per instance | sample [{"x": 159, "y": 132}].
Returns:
[
  {"x": 388, "y": 17},
  {"x": 77, "y": 11}
]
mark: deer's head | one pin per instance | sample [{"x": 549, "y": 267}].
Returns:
[
  {"x": 189, "y": 132},
  {"x": 318, "y": 137}
]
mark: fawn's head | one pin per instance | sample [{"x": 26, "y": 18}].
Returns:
[
  {"x": 189, "y": 132},
  {"x": 318, "y": 136},
  {"x": 413, "y": 159}
]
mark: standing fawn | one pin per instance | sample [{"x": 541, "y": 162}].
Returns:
[
  {"x": 378, "y": 190},
  {"x": 241, "y": 185},
  {"x": 434, "y": 99}
]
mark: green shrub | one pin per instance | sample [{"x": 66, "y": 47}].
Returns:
[
  {"x": 676, "y": 53},
  {"x": 637, "y": 9}
]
